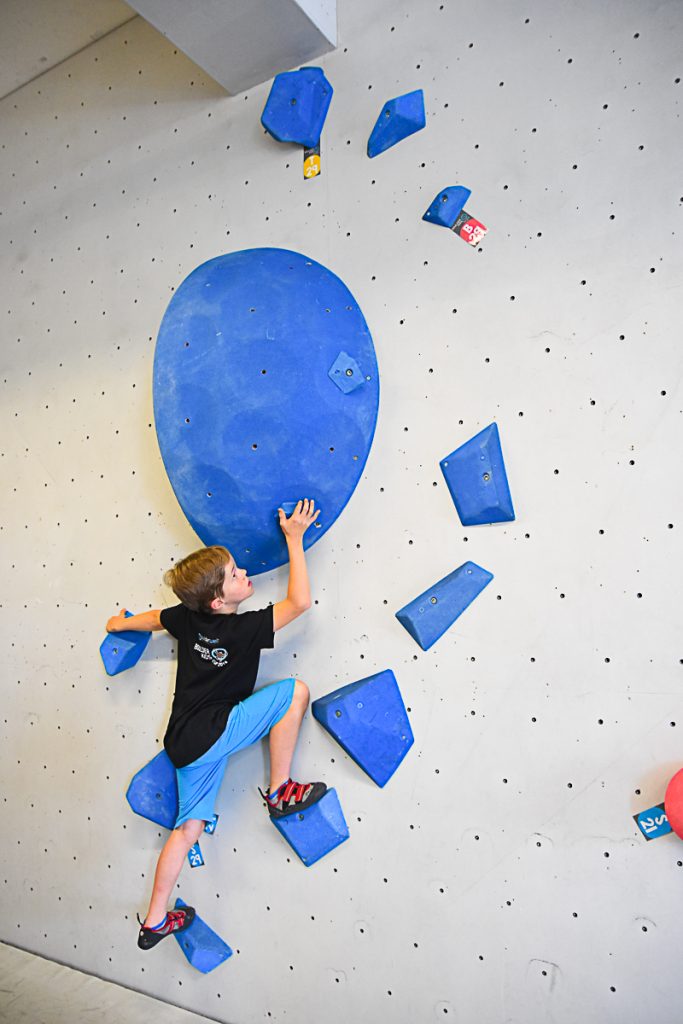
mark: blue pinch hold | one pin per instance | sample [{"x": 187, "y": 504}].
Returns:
[
  {"x": 315, "y": 831},
  {"x": 369, "y": 720},
  {"x": 122, "y": 650},
  {"x": 153, "y": 791},
  {"x": 203, "y": 948},
  {"x": 430, "y": 615},
  {"x": 477, "y": 481},
  {"x": 297, "y": 106},
  {"x": 399, "y": 118},
  {"x": 447, "y": 206},
  {"x": 346, "y": 373}
]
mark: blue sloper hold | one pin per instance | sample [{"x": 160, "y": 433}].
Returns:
[
  {"x": 297, "y": 106},
  {"x": 446, "y": 207},
  {"x": 153, "y": 792},
  {"x": 317, "y": 830},
  {"x": 346, "y": 373},
  {"x": 429, "y": 615},
  {"x": 369, "y": 720},
  {"x": 123, "y": 650},
  {"x": 476, "y": 477},
  {"x": 203, "y": 948},
  {"x": 399, "y": 118}
]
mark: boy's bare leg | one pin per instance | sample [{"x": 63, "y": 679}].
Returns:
[
  {"x": 169, "y": 865},
  {"x": 283, "y": 736}
]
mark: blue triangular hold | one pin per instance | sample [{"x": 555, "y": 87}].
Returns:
[
  {"x": 203, "y": 948},
  {"x": 476, "y": 477},
  {"x": 122, "y": 650},
  {"x": 369, "y": 720},
  {"x": 429, "y": 615},
  {"x": 297, "y": 106},
  {"x": 445, "y": 208},
  {"x": 399, "y": 118},
  {"x": 317, "y": 830},
  {"x": 153, "y": 792}
]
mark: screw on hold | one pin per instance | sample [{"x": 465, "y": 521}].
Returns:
[
  {"x": 487, "y": 476},
  {"x": 349, "y": 372},
  {"x": 338, "y": 714},
  {"x": 433, "y": 600}
]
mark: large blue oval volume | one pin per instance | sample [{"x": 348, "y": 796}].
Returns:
[{"x": 266, "y": 390}]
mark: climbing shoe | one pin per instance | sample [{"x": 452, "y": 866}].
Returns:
[
  {"x": 291, "y": 797},
  {"x": 176, "y": 921}
]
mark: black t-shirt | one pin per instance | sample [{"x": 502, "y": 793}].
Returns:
[{"x": 218, "y": 659}]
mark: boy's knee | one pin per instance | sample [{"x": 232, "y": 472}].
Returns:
[
  {"x": 301, "y": 691},
  {"x": 191, "y": 830}
]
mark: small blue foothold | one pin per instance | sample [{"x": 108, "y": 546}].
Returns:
[
  {"x": 123, "y": 650},
  {"x": 317, "y": 830},
  {"x": 203, "y": 948},
  {"x": 369, "y": 720},
  {"x": 399, "y": 118},
  {"x": 297, "y": 106},
  {"x": 445, "y": 208},
  {"x": 476, "y": 478},
  {"x": 153, "y": 792},
  {"x": 346, "y": 373},
  {"x": 429, "y": 615}
]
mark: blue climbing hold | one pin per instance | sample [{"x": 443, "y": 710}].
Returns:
[
  {"x": 297, "y": 106},
  {"x": 399, "y": 118},
  {"x": 153, "y": 792},
  {"x": 248, "y": 340},
  {"x": 122, "y": 650},
  {"x": 346, "y": 373},
  {"x": 446, "y": 207},
  {"x": 203, "y": 948},
  {"x": 476, "y": 477},
  {"x": 429, "y": 615},
  {"x": 369, "y": 720},
  {"x": 317, "y": 830}
]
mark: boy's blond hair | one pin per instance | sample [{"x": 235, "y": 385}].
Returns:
[{"x": 198, "y": 578}]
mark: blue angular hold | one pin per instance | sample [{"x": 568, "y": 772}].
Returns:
[
  {"x": 123, "y": 650},
  {"x": 203, "y": 948},
  {"x": 297, "y": 106},
  {"x": 346, "y": 373},
  {"x": 475, "y": 476},
  {"x": 317, "y": 830},
  {"x": 429, "y": 615},
  {"x": 446, "y": 207},
  {"x": 153, "y": 792},
  {"x": 369, "y": 720},
  {"x": 400, "y": 117}
]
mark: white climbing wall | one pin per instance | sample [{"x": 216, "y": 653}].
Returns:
[{"x": 499, "y": 877}]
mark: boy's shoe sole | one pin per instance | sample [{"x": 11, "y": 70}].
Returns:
[
  {"x": 316, "y": 792},
  {"x": 176, "y": 921}
]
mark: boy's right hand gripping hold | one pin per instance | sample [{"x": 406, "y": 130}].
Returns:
[{"x": 300, "y": 519}]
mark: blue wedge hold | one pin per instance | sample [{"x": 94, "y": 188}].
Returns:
[
  {"x": 399, "y": 118},
  {"x": 153, "y": 791},
  {"x": 297, "y": 106},
  {"x": 369, "y": 720},
  {"x": 316, "y": 831},
  {"x": 430, "y": 615},
  {"x": 477, "y": 481},
  {"x": 203, "y": 948},
  {"x": 122, "y": 650}
]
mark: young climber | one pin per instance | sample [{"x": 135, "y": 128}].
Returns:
[{"x": 215, "y": 712}]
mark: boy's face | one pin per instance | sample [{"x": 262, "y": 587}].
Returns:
[{"x": 236, "y": 587}]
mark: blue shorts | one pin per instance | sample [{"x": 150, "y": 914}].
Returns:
[{"x": 249, "y": 721}]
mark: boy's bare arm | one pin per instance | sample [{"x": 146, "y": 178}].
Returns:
[
  {"x": 145, "y": 621},
  {"x": 298, "y": 590}
]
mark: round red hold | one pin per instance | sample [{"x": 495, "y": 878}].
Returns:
[{"x": 673, "y": 803}]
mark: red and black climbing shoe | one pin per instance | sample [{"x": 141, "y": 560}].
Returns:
[
  {"x": 291, "y": 797},
  {"x": 176, "y": 921}
]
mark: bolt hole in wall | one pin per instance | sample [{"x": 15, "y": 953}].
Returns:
[{"x": 538, "y": 302}]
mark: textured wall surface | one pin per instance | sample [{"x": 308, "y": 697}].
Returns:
[{"x": 499, "y": 876}]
